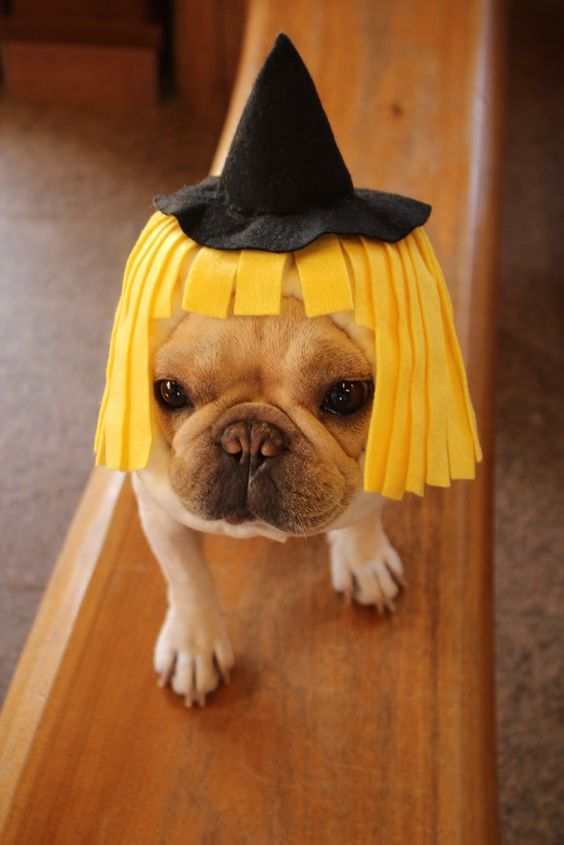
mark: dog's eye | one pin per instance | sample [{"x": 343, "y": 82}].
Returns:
[
  {"x": 170, "y": 394},
  {"x": 347, "y": 397}
]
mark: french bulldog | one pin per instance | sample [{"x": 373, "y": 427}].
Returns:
[{"x": 262, "y": 430}]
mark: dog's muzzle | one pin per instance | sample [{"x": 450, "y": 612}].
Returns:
[{"x": 251, "y": 447}]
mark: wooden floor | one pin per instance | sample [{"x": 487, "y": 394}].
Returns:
[{"x": 339, "y": 725}]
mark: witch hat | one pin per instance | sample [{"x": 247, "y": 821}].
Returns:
[{"x": 284, "y": 182}]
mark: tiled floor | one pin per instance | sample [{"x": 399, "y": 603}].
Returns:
[
  {"x": 75, "y": 190},
  {"x": 73, "y": 193},
  {"x": 529, "y": 545}
]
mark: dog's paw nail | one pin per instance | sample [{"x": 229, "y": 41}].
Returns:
[
  {"x": 222, "y": 670},
  {"x": 373, "y": 582},
  {"x": 193, "y": 660},
  {"x": 166, "y": 675}
]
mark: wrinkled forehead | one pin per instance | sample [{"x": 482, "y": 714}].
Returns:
[{"x": 289, "y": 340}]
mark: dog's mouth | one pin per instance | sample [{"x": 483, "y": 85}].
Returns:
[
  {"x": 266, "y": 499},
  {"x": 239, "y": 516}
]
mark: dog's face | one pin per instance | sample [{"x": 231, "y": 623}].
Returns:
[{"x": 266, "y": 418}]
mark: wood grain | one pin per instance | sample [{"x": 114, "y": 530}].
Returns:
[
  {"x": 205, "y": 55},
  {"x": 339, "y": 725},
  {"x": 118, "y": 78},
  {"x": 53, "y": 627},
  {"x": 133, "y": 23}
]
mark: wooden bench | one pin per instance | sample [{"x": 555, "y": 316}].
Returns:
[{"x": 339, "y": 726}]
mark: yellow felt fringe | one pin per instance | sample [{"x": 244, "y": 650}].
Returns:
[
  {"x": 259, "y": 282},
  {"x": 210, "y": 282},
  {"x": 422, "y": 429},
  {"x": 324, "y": 277}
]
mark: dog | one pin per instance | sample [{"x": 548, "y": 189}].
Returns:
[
  {"x": 241, "y": 374},
  {"x": 262, "y": 431}
]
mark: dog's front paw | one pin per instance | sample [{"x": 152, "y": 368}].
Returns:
[
  {"x": 374, "y": 581},
  {"x": 193, "y": 652}
]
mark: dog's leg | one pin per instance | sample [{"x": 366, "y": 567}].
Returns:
[
  {"x": 364, "y": 564},
  {"x": 193, "y": 650}
]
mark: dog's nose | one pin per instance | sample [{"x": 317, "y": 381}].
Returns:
[{"x": 254, "y": 440}]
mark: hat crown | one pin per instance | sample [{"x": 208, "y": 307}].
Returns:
[{"x": 283, "y": 157}]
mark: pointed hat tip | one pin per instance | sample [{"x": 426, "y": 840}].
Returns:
[
  {"x": 283, "y": 42},
  {"x": 277, "y": 193},
  {"x": 282, "y": 39},
  {"x": 283, "y": 53}
]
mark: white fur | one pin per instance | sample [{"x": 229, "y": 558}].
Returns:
[
  {"x": 193, "y": 650},
  {"x": 364, "y": 565}
]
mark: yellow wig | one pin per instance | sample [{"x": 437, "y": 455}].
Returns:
[{"x": 422, "y": 429}]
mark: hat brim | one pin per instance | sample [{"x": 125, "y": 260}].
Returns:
[{"x": 205, "y": 215}]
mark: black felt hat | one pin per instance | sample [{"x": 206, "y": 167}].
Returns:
[{"x": 284, "y": 182}]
